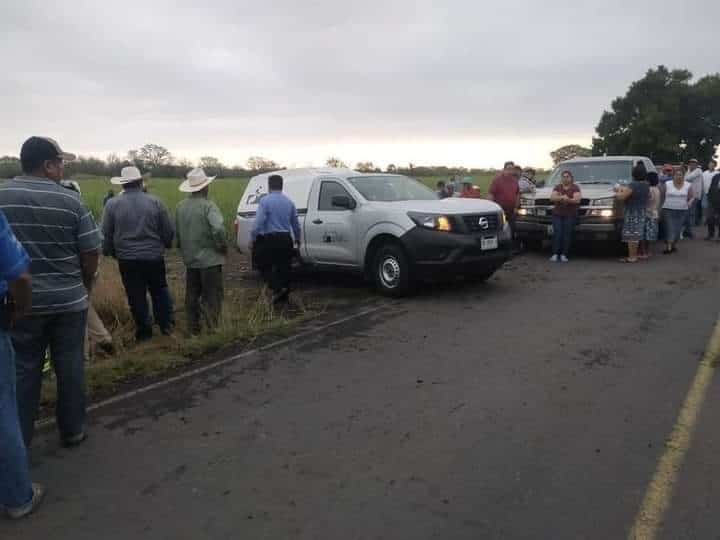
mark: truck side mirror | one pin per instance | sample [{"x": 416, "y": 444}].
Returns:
[{"x": 343, "y": 201}]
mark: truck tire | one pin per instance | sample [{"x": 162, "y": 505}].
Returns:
[{"x": 391, "y": 271}]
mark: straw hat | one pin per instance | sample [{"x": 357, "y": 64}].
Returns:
[
  {"x": 127, "y": 176},
  {"x": 196, "y": 180}
]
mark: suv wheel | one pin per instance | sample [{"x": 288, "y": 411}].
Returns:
[{"x": 391, "y": 271}]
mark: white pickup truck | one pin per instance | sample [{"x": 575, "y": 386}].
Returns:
[
  {"x": 390, "y": 228},
  {"x": 600, "y": 215}
]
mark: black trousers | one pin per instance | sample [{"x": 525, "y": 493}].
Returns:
[
  {"x": 140, "y": 277},
  {"x": 713, "y": 221},
  {"x": 274, "y": 253}
]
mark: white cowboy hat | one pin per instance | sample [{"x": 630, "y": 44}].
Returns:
[
  {"x": 196, "y": 181},
  {"x": 127, "y": 175}
]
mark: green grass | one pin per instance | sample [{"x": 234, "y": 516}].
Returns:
[
  {"x": 481, "y": 180},
  {"x": 226, "y": 193}
]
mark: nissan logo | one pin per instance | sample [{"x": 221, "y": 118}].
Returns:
[{"x": 484, "y": 223}]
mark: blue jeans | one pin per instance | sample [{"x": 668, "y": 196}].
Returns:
[
  {"x": 690, "y": 220},
  {"x": 15, "y": 487},
  {"x": 64, "y": 333},
  {"x": 674, "y": 221},
  {"x": 563, "y": 227}
]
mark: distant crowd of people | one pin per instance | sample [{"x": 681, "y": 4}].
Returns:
[{"x": 655, "y": 206}]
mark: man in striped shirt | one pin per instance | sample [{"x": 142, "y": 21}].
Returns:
[{"x": 61, "y": 237}]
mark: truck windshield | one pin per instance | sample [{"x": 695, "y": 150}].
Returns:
[
  {"x": 594, "y": 172},
  {"x": 392, "y": 188}
]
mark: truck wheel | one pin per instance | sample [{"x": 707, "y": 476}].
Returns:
[{"x": 391, "y": 271}]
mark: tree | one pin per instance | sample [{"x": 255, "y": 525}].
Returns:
[
  {"x": 211, "y": 165},
  {"x": 335, "y": 163},
  {"x": 365, "y": 166},
  {"x": 114, "y": 163},
  {"x": 133, "y": 158},
  {"x": 660, "y": 111},
  {"x": 568, "y": 152},
  {"x": 259, "y": 163},
  {"x": 209, "y": 162},
  {"x": 9, "y": 167},
  {"x": 391, "y": 168},
  {"x": 154, "y": 156}
]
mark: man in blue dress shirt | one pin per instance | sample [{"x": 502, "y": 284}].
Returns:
[
  {"x": 18, "y": 495},
  {"x": 276, "y": 229}
]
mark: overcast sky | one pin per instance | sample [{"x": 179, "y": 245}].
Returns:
[{"x": 460, "y": 82}]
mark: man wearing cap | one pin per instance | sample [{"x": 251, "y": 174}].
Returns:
[
  {"x": 276, "y": 226},
  {"x": 470, "y": 190},
  {"x": 202, "y": 241},
  {"x": 137, "y": 230},
  {"x": 60, "y": 236},
  {"x": 694, "y": 177}
]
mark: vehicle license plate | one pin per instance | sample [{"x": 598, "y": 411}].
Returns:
[
  {"x": 491, "y": 242},
  {"x": 550, "y": 230}
]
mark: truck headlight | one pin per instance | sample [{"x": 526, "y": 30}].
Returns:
[
  {"x": 605, "y": 213},
  {"x": 523, "y": 212},
  {"x": 432, "y": 221},
  {"x": 607, "y": 201}
]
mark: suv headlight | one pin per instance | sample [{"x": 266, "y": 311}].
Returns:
[
  {"x": 607, "y": 201},
  {"x": 526, "y": 202},
  {"x": 432, "y": 221}
]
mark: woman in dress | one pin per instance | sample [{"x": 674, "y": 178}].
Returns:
[
  {"x": 678, "y": 194},
  {"x": 635, "y": 196},
  {"x": 650, "y": 235}
]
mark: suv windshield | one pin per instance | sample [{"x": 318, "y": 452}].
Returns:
[
  {"x": 594, "y": 172},
  {"x": 392, "y": 188}
]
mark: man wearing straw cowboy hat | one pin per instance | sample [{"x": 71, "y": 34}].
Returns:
[
  {"x": 137, "y": 231},
  {"x": 202, "y": 242}
]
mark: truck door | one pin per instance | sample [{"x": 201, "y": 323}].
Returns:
[{"x": 330, "y": 236}]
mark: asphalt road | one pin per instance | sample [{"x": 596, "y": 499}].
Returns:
[{"x": 534, "y": 406}]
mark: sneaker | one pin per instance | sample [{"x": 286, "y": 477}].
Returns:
[
  {"x": 75, "y": 440},
  {"x": 28, "y": 508},
  {"x": 563, "y": 258},
  {"x": 554, "y": 258}
]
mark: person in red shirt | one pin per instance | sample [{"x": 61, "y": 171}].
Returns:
[
  {"x": 505, "y": 190},
  {"x": 469, "y": 191},
  {"x": 566, "y": 196}
]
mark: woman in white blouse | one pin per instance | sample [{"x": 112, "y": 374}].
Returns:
[{"x": 678, "y": 194}]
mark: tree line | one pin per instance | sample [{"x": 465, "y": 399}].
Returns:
[{"x": 160, "y": 162}]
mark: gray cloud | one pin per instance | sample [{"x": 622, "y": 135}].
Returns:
[{"x": 234, "y": 75}]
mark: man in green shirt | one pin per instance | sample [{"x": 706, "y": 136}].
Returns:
[{"x": 202, "y": 242}]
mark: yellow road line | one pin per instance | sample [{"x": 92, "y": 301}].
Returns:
[{"x": 659, "y": 493}]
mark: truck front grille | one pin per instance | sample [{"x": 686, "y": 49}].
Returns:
[{"x": 473, "y": 225}]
